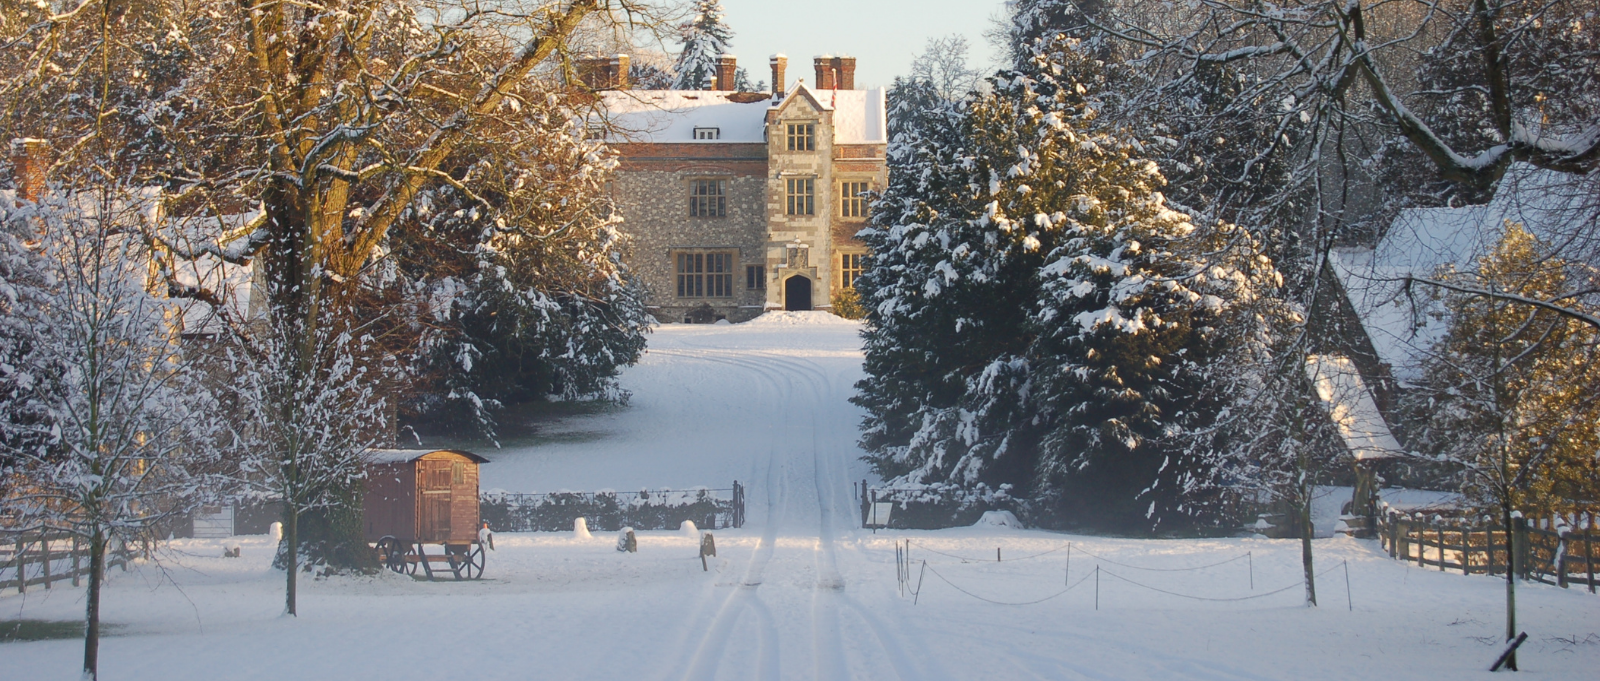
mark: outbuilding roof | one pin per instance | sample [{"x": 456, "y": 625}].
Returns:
[
  {"x": 386, "y": 456},
  {"x": 1422, "y": 240}
]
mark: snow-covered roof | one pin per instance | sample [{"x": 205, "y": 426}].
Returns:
[
  {"x": 671, "y": 116},
  {"x": 382, "y": 456},
  {"x": 665, "y": 116},
  {"x": 1422, "y": 240},
  {"x": 859, "y": 116},
  {"x": 1351, "y": 407},
  {"x": 234, "y": 284}
]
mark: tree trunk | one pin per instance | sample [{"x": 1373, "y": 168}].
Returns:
[
  {"x": 291, "y": 549},
  {"x": 1307, "y": 529},
  {"x": 91, "y": 615},
  {"x": 1511, "y": 582}
]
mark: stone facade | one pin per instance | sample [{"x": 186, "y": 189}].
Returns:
[{"x": 783, "y": 247}]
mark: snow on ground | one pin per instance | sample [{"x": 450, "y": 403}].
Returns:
[{"x": 800, "y": 593}]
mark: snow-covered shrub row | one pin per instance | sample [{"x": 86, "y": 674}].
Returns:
[
  {"x": 940, "y": 505},
  {"x": 606, "y": 510}
]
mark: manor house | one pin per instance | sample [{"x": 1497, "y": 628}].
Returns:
[{"x": 741, "y": 202}]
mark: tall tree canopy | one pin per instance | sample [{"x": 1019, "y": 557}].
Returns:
[{"x": 705, "y": 39}]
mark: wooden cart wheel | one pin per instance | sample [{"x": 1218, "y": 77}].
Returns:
[
  {"x": 407, "y": 558},
  {"x": 387, "y": 549},
  {"x": 472, "y": 563},
  {"x": 395, "y": 555}
]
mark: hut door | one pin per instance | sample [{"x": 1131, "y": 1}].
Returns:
[{"x": 434, "y": 521}]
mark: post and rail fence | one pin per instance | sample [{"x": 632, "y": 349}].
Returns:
[
  {"x": 29, "y": 559},
  {"x": 1556, "y": 551}
]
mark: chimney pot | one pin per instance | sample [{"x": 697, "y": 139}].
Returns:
[
  {"x": 727, "y": 71},
  {"x": 780, "y": 65},
  {"x": 604, "y": 73},
  {"x": 28, "y": 166},
  {"x": 825, "y": 71},
  {"x": 847, "y": 72}
]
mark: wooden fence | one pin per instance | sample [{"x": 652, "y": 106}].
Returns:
[
  {"x": 1553, "y": 551},
  {"x": 28, "y": 560}
]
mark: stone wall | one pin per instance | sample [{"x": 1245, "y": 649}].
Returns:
[{"x": 654, "y": 205}]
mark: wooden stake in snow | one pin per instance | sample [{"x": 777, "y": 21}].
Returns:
[
  {"x": 708, "y": 547},
  {"x": 1097, "y": 587},
  {"x": 1508, "y": 659}
]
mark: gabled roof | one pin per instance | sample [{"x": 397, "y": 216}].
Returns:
[
  {"x": 1351, "y": 407},
  {"x": 1422, "y": 240},
  {"x": 387, "y": 456}
]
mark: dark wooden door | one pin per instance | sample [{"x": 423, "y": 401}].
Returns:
[{"x": 797, "y": 294}]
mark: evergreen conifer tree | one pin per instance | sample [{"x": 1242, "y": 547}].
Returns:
[
  {"x": 705, "y": 39},
  {"x": 1040, "y": 318}
]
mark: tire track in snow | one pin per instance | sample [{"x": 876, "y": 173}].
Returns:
[
  {"x": 793, "y": 378},
  {"x": 890, "y": 640},
  {"x": 709, "y": 653}
]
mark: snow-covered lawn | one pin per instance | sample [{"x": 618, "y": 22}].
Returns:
[{"x": 799, "y": 592}]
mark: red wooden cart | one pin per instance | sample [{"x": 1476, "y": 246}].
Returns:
[{"x": 419, "y": 497}]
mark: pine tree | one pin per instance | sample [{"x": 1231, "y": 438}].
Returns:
[{"x": 705, "y": 39}]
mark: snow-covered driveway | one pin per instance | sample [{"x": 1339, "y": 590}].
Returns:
[{"x": 800, "y": 592}]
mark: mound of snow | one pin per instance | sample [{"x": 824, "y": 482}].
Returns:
[
  {"x": 998, "y": 519},
  {"x": 811, "y": 318}
]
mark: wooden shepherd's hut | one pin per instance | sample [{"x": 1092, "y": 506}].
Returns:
[{"x": 422, "y": 496}]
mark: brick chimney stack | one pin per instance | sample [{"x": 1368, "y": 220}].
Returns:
[
  {"x": 604, "y": 73},
  {"x": 727, "y": 72},
  {"x": 835, "y": 73},
  {"x": 827, "y": 79},
  {"x": 28, "y": 165},
  {"x": 846, "y": 67},
  {"x": 780, "y": 66}
]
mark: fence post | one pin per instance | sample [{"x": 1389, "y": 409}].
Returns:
[
  {"x": 1524, "y": 553},
  {"x": 1560, "y": 558},
  {"x": 864, "y": 503},
  {"x": 1466, "y": 550},
  {"x": 1440, "y": 533},
  {"x": 44, "y": 546},
  {"x": 75, "y": 580},
  {"x": 1391, "y": 521},
  {"x": 22, "y": 563},
  {"x": 1588, "y": 551},
  {"x": 1488, "y": 549}
]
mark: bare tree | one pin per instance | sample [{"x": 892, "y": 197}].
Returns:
[
  {"x": 295, "y": 138},
  {"x": 133, "y": 427},
  {"x": 299, "y": 432},
  {"x": 943, "y": 66}
]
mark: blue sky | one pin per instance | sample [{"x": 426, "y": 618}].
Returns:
[{"x": 883, "y": 35}]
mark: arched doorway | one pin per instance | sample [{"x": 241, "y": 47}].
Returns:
[{"x": 797, "y": 294}]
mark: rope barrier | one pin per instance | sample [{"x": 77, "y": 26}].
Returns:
[
  {"x": 1218, "y": 600},
  {"x": 986, "y": 560},
  {"x": 903, "y": 561},
  {"x": 990, "y": 600},
  {"x": 1151, "y": 569},
  {"x": 1080, "y": 548}
]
